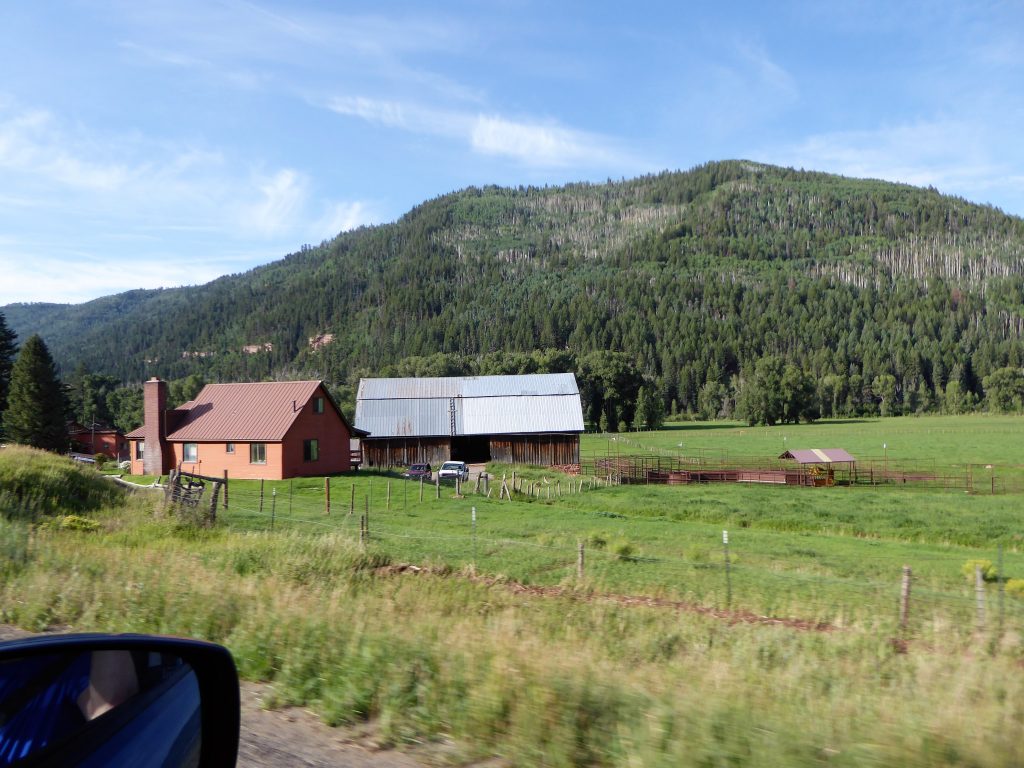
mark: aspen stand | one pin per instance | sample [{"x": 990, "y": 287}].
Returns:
[{"x": 905, "y": 599}]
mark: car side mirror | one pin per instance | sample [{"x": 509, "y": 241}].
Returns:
[{"x": 117, "y": 700}]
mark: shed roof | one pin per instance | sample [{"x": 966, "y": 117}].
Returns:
[
  {"x": 819, "y": 456},
  {"x": 483, "y": 405}
]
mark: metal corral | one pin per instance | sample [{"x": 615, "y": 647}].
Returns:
[{"x": 706, "y": 467}]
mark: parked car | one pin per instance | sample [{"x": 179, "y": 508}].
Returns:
[
  {"x": 416, "y": 471},
  {"x": 454, "y": 470},
  {"x": 117, "y": 701}
]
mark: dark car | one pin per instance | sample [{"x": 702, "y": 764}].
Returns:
[{"x": 416, "y": 471}]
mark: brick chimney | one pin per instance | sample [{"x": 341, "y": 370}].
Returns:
[{"x": 157, "y": 458}]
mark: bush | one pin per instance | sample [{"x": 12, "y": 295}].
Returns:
[
  {"x": 1015, "y": 587},
  {"x": 988, "y": 571},
  {"x": 623, "y": 549}
]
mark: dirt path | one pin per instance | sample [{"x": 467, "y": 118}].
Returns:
[{"x": 295, "y": 736}]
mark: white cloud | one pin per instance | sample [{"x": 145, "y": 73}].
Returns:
[
  {"x": 281, "y": 200},
  {"x": 342, "y": 217},
  {"x": 532, "y": 143},
  {"x": 30, "y": 143},
  {"x": 766, "y": 74},
  {"x": 959, "y": 157}
]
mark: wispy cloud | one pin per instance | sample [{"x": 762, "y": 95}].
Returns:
[
  {"x": 764, "y": 74},
  {"x": 280, "y": 199},
  {"x": 956, "y": 156},
  {"x": 533, "y": 143}
]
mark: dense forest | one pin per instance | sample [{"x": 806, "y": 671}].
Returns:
[{"x": 707, "y": 292}]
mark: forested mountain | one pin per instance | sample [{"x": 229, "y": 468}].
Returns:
[{"x": 874, "y": 296}]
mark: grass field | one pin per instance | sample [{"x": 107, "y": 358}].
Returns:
[{"x": 645, "y": 661}]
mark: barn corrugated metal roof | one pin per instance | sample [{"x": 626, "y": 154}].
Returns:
[
  {"x": 259, "y": 412},
  {"x": 484, "y": 405},
  {"x": 468, "y": 386},
  {"x": 818, "y": 456}
]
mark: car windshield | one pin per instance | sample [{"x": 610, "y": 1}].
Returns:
[{"x": 452, "y": 465}]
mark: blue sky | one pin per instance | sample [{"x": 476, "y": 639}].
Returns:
[{"x": 147, "y": 144}]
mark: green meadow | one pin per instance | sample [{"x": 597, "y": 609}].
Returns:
[{"x": 440, "y": 628}]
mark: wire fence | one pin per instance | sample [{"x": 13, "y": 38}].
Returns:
[
  {"x": 704, "y": 466},
  {"x": 738, "y": 577}
]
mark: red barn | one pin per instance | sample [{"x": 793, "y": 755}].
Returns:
[{"x": 268, "y": 430}]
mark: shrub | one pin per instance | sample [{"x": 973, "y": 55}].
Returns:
[
  {"x": 623, "y": 549},
  {"x": 1015, "y": 587},
  {"x": 988, "y": 571}
]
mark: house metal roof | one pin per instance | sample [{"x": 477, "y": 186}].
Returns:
[
  {"x": 261, "y": 412},
  {"x": 483, "y": 405},
  {"x": 819, "y": 456}
]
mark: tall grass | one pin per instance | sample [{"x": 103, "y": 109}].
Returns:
[
  {"x": 561, "y": 681},
  {"x": 556, "y": 677},
  {"x": 35, "y": 483}
]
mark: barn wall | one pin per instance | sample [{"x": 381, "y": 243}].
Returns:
[
  {"x": 403, "y": 451},
  {"x": 544, "y": 450}
]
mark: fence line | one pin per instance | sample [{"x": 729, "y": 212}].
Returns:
[{"x": 924, "y": 595}]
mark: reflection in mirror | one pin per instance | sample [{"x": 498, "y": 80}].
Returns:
[{"x": 46, "y": 700}]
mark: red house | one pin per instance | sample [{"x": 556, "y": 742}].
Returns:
[
  {"x": 269, "y": 430},
  {"x": 97, "y": 438}
]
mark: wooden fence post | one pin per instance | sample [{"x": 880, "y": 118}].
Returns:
[
  {"x": 327, "y": 495},
  {"x": 905, "y": 599},
  {"x": 979, "y": 595},
  {"x": 261, "y": 495},
  {"x": 352, "y": 500},
  {"x": 579, "y": 559},
  {"x": 225, "y": 489},
  {"x": 387, "y": 507}
]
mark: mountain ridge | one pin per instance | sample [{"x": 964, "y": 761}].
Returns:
[{"x": 695, "y": 275}]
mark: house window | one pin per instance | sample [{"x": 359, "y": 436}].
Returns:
[
  {"x": 229, "y": 447},
  {"x": 190, "y": 453},
  {"x": 257, "y": 453},
  {"x": 318, "y": 405},
  {"x": 140, "y": 449},
  {"x": 310, "y": 450}
]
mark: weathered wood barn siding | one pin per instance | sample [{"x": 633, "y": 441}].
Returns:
[
  {"x": 403, "y": 451},
  {"x": 536, "y": 449},
  {"x": 523, "y": 419}
]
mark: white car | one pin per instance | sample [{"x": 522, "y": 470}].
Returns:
[{"x": 453, "y": 469}]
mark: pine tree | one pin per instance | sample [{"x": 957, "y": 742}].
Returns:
[
  {"x": 35, "y": 405},
  {"x": 8, "y": 350}
]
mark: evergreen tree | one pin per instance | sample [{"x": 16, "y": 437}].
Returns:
[
  {"x": 8, "y": 350},
  {"x": 35, "y": 405}
]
